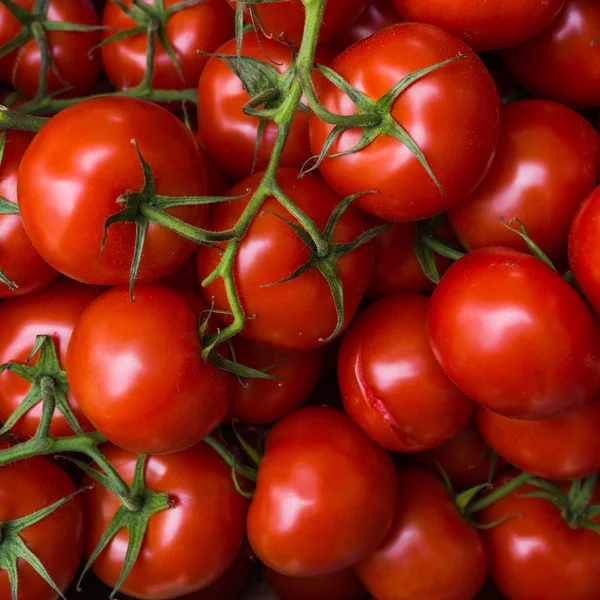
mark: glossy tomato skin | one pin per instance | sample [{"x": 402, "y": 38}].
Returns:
[
  {"x": 320, "y": 476},
  {"x": 565, "y": 447},
  {"x": 79, "y": 68},
  {"x": 513, "y": 335},
  {"x": 226, "y": 132},
  {"x": 484, "y": 26},
  {"x": 137, "y": 373},
  {"x": 583, "y": 247},
  {"x": 287, "y": 19},
  {"x": 340, "y": 585},
  {"x": 201, "y": 27},
  {"x": 465, "y": 458},
  {"x": 397, "y": 269},
  {"x": 19, "y": 260},
  {"x": 266, "y": 401},
  {"x": 28, "y": 486},
  {"x": 561, "y": 63},
  {"x": 53, "y": 311},
  {"x": 65, "y": 200},
  {"x": 536, "y": 555},
  {"x": 297, "y": 314},
  {"x": 453, "y": 114},
  {"x": 545, "y": 165},
  {"x": 208, "y": 515},
  {"x": 430, "y": 551},
  {"x": 391, "y": 383}
]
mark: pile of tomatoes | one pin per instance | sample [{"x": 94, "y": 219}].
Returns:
[{"x": 300, "y": 294}]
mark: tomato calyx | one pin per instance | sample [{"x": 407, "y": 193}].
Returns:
[{"x": 14, "y": 549}]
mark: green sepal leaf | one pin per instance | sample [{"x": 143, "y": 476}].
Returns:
[
  {"x": 236, "y": 368},
  {"x": 329, "y": 270},
  {"x": 254, "y": 455},
  {"x": 533, "y": 247}
]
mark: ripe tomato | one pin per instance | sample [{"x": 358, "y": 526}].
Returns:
[
  {"x": 325, "y": 495},
  {"x": 339, "y": 585},
  {"x": 465, "y": 458},
  {"x": 65, "y": 198},
  {"x": 513, "y": 335},
  {"x": 584, "y": 244},
  {"x": 26, "y": 487},
  {"x": 536, "y": 553},
  {"x": 562, "y": 62},
  {"x": 430, "y": 551},
  {"x": 490, "y": 25},
  {"x": 266, "y": 401},
  {"x": 397, "y": 268},
  {"x": 391, "y": 383},
  {"x": 70, "y": 50},
  {"x": 202, "y": 27},
  {"x": 297, "y": 314},
  {"x": 53, "y": 311},
  {"x": 225, "y": 131},
  {"x": 452, "y": 114},
  {"x": 18, "y": 258},
  {"x": 208, "y": 516},
  {"x": 564, "y": 447},
  {"x": 136, "y": 371},
  {"x": 546, "y": 164},
  {"x": 287, "y": 19}
]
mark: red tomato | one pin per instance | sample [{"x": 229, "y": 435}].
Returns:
[
  {"x": 452, "y": 114},
  {"x": 325, "y": 495},
  {"x": 286, "y": 19},
  {"x": 397, "y": 268},
  {"x": 18, "y": 258},
  {"x": 465, "y": 458},
  {"x": 565, "y": 447},
  {"x": 136, "y": 371},
  {"x": 266, "y": 401},
  {"x": 53, "y": 311},
  {"x": 584, "y": 245},
  {"x": 70, "y": 50},
  {"x": 490, "y": 25},
  {"x": 513, "y": 335},
  {"x": 66, "y": 196},
  {"x": 562, "y": 63},
  {"x": 536, "y": 554},
  {"x": 208, "y": 516},
  {"x": 430, "y": 551},
  {"x": 203, "y": 27},
  {"x": 297, "y": 314},
  {"x": 546, "y": 163},
  {"x": 391, "y": 383},
  {"x": 340, "y": 585},
  {"x": 26, "y": 487},
  {"x": 225, "y": 131}
]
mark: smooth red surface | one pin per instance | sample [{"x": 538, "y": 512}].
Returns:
[
  {"x": 201, "y": 27},
  {"x": 186, "y": 547},
  {"x": 545, "y": 165},
  {"x": 453, "y": 115},
  {"x": 137, "y": 373},
  {"x": 297, "y": 314},
  {"x": 325, "y": 495},
  {"x": 562, "y": 63},
  {"x": 53, "y": 311},
  {"x": 565, "y": 447},
  {"x": 535, "y": 555},
  {"x": 19, "y": 260},
  {"x": 26, "y": 487},
  {"x": 77, "y": 167},
  {"x": 391, "y": 383},
  {"x": 488, "y": 25},
  {"x": 226, "y": 132},
  {"x": 430, "y": 550},
  {"x": 513, "y": 335}
]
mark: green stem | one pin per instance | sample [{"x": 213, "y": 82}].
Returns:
[
  {"x": 499, "y": 493},
  {"x": 242, "y": 470},
  {"x": 12, "y": 120},
  {"x": 439, "y": 247}
]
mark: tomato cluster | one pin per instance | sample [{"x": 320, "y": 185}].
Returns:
[{"x": 300, "y": 296}]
